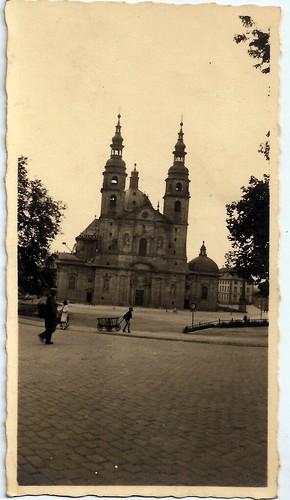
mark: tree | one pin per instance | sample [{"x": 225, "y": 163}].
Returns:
[
  {"x": 39, "y": 218},
  {"x": 248, "y": 225},
  {"x": 259, "y": 43},
  {"x": 248, "y": 219}
]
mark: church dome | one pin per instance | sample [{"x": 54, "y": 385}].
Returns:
[{"x": 203, "y": 264}]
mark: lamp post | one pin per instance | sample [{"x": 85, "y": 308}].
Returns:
[
  {"x": 64, "y": 243},
  {"x": 192, "y": 308}
]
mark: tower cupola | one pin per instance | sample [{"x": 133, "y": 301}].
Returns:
[
  {"x": 117, "y": 141},
  {"x": 179, "y": 151},
  {"x": 134, "y": 179},
  {"x": 116, "y": 159}
]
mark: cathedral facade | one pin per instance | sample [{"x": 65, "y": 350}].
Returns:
[{"x": 133, "y": 254}]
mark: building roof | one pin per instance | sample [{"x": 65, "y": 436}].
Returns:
[
  {"x": 91, "y": 231},
  {"x": 230, "y": 272},
  {"x": 65, "y": 256}
]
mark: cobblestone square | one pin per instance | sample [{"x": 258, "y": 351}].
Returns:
[{"x": 112, "y": 410}]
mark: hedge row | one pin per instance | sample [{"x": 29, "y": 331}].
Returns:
[{"x": 227, "y": 324}]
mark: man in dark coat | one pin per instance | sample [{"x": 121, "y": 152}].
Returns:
[
  {"x": 127, "y": 317},
  {"x": 50, "y": 320}
]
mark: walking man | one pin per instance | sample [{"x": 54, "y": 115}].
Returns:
[
  {"x": 127, "y": 317},
  {"x": 50, "y": 320}
]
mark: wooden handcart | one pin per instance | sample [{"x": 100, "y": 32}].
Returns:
[{"x": 109, "y": 324}]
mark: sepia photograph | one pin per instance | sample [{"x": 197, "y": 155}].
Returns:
[{"x": 143, "y": 240}]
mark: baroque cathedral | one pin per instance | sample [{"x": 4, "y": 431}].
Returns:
[{"x": 134, "y": 254}]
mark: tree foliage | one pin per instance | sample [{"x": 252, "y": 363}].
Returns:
[
  {"x": 248, "y": 225},
  {"x": 39, "y": 218},
  {"x": 258, "y": 43},
  {"x": 248, "y": 219}
]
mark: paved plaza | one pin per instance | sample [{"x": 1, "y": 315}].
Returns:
[{"x": 108, "y": 409}]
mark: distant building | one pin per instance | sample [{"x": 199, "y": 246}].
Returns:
[
  {"x": 230, "y": 288},
  {"x": 134, "y": 254}
]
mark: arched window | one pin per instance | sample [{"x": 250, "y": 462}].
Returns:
[
  {"x": 178, "y": 186},
  {"x": 113, "y": 200},
  {"x": 204, "y": 292},
  {"x": 72, "y": 282},
  {"x": 143, "y": 247},
  {"x": 114, "y": 180},
  {"x": 177, "y": 206}
]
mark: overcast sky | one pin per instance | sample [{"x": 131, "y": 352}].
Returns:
[{"x": 76, "y": 65}]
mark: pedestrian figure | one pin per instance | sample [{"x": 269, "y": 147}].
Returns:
[
  {"x": 127, "y": 317},
  {"x": 50, "y": 317},
  {"x": 64, "y": 316}
]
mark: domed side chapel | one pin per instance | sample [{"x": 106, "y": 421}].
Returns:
[{"x": 133, "y": 254}]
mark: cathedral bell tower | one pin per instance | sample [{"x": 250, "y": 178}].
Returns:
[
  {"x": 176, "y": 199},
  {"x": 113, "y": 190},
  {"x": 176, "y": 202}
]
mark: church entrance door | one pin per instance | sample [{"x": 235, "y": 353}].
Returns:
[{"x": 139, "y": 298}]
